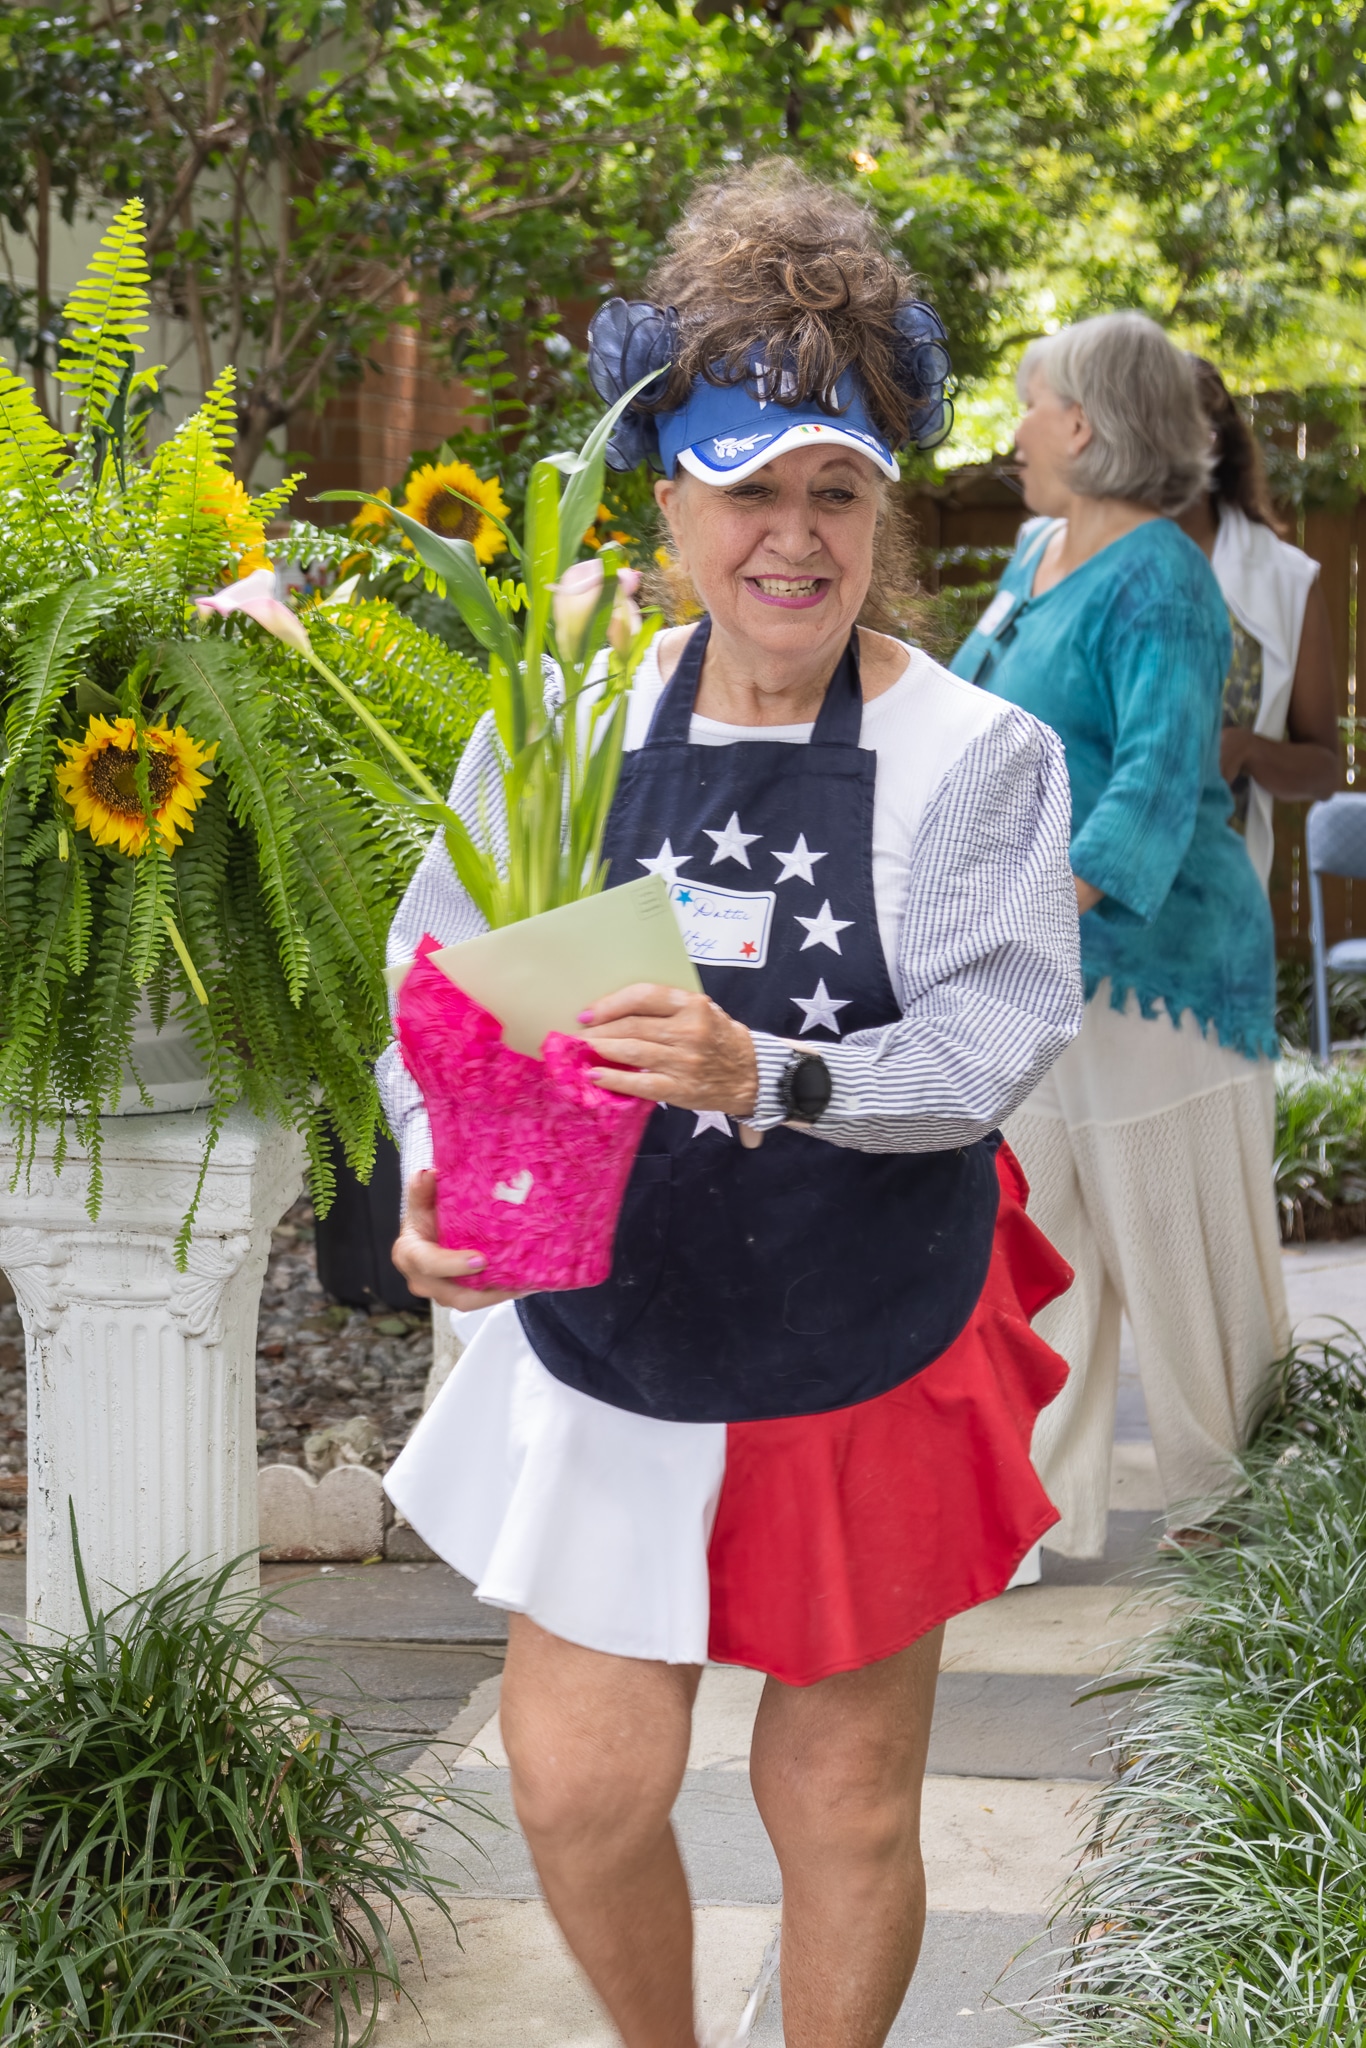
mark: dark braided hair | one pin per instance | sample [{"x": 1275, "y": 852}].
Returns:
[{"x": 1239, "y": 472}]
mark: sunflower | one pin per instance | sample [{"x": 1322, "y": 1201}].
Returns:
[
  {"x": 225, "y": 497},
  {"x": 437, "y": 495},
  {"x": 99, "y": 781},
  {"x": 371, "y": 515}
]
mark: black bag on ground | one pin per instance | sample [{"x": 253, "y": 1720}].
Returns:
[{"x": 354, "y": 1239}]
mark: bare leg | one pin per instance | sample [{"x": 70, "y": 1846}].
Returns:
[
  {"x": 837, "y": 1769},
  {"x": 598, "y": 1746}
]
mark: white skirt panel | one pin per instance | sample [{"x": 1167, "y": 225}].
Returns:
[{"x": 592, "y": 1521}]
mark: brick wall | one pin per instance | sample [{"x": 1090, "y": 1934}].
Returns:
[{"x": 363, "y": 436}]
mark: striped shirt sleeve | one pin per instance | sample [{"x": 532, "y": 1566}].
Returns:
[{"x": 989, "y": 963}]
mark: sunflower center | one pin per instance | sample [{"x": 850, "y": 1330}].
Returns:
[
  {"x": 112, "y": 777},
  {"x": 453, "y": 516}
]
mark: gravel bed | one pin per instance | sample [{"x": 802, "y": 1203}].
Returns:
[{"x": 318, "y": 1365}]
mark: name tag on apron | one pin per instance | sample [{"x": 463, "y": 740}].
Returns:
[{"x": 725, "y": 927}]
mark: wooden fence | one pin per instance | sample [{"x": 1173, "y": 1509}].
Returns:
[{"x": 963, "y": 522}]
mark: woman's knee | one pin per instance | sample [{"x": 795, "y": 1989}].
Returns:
[
  {"x": 597, "y": 1745},
  {"x": 570, "y": 1782},
  {"x": 829, "y": 1809}
]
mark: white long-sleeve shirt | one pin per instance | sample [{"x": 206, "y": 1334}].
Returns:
[{"x": 975, "y": 904}]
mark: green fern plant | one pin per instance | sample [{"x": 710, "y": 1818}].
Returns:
[{"x": 185, "y": 826}]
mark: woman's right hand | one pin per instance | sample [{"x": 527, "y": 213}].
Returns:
[{"x": 427, "y": 1266}]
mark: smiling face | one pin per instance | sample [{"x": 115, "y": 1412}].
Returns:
[
  {"x": 783, "y": 560},
  {"x": 1049, "y": 438}
]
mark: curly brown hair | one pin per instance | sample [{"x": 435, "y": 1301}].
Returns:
[
  {"x": 1239, "y": 473},
  {"x": 769, "y": 258}
]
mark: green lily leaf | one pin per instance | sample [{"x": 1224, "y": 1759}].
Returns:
[
  {"x": 579, "y": 504},
  {"x": 454, "y": 562}
]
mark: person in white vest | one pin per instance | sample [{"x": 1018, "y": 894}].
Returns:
[{"x": 1280, "y": 699}]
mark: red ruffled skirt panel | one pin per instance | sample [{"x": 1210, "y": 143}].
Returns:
[{"x": 841, "y": 1538}]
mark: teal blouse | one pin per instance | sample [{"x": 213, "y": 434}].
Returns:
[{"x": 1126, "y": 659}]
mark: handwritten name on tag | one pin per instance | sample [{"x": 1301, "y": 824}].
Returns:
[{"x": 724, "y": 927}]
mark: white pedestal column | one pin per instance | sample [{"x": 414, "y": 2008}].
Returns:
[{"x": 142, "y": 1379}]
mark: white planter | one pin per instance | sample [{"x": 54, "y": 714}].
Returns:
[
  {"x": 168, "y": 1064},
  {"x": 142, "y": 1387}
]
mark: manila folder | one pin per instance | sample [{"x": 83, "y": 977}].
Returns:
[{"x": 538, "y": 975}]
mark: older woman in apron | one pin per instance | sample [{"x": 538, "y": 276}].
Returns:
[{"x": 791, "y": 1431}]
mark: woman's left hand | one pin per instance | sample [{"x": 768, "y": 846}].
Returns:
[{"x": 685, "y": 1049}]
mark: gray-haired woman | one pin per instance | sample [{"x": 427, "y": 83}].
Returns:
[{"x": 1148, "y": 1147}]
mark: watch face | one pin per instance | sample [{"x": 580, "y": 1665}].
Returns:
[{"x": 808, "y": 1087}]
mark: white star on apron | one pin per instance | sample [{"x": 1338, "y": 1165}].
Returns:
[
  {"x": 666, "y": 862},
  {"x": 821, "y": 930},
  {"x": 820, "y": 1008},
  {"x": 798, "y": 861},
  {"x": 731, "y": 841}
]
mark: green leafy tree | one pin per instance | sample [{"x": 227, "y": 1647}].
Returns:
[{"x": 309, "y": 168}]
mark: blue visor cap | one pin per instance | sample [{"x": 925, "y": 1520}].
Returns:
[{"x": 727, "y": 431}]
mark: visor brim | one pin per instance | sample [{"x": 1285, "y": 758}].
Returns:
[{"x": 805, "y": 435}]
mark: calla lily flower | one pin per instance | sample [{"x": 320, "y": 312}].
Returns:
[
  {"x": 255, "y": 595},
  {"x": 624, "y": 623},
  {"x": 575, "y": 601},
  {"x": 576, "y": 598}
]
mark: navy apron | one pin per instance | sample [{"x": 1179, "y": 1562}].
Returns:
[{"x": 800, "y": 1276}]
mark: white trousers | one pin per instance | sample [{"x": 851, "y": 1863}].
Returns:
[{"x": 1148, "y": 1150}]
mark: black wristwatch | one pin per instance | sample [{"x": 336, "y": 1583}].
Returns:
[{"x": 805, "y": 1087}]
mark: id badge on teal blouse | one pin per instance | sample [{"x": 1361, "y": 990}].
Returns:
[{"x": 995, "y": 626}]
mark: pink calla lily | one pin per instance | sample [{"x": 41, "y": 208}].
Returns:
[
  {"x": 576, "y": 599},
  {"x": 255, "y": 595}
]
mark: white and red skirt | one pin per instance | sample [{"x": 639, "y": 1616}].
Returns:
[{"x": 798, "y": 1547}]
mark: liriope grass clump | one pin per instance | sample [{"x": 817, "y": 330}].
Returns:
[
  {"x": 1223, "y": 1904},
  {"x": 188, "y": 1854},
  {"x": 1320, "y": 1140}
]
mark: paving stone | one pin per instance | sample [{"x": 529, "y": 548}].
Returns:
[
  {"x": 1325, "y": 1285},
  {"x": 948, "y": 2005},
  {"x": 388, "y": 1691},
  {"x": 1000, "y": 1845},
  {"x": 986, "y": 1724},
  {"x": 379, "y": 1603},
  {"x": 510, "y": 1982},
  {"x": 993, "y": 1724},
  {"x": 1050, "y": 1629},
  {"x": 1134, "y": 1480},
  {"x": 1131, "y": 1540}
]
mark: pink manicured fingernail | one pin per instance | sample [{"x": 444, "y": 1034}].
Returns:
[
  {"x": 585, "y": 1017},
  {"x": 474, "y": 1260}
]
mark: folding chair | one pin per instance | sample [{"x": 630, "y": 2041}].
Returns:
[{"x": 1335, "y": 844}]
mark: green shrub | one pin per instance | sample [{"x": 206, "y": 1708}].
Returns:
[
  {"x": 1224, "y": 1902},
  {"x": 1295, "y": 1005},
  {"x": 188, "y": 1854},
  {"x": 1320, "y": 1139}
]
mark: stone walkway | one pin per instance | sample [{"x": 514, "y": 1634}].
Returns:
[{"x": 409, "y": 1656}]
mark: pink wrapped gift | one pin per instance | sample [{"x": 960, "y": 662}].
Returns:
[{"x": 532, "y": 1158}]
